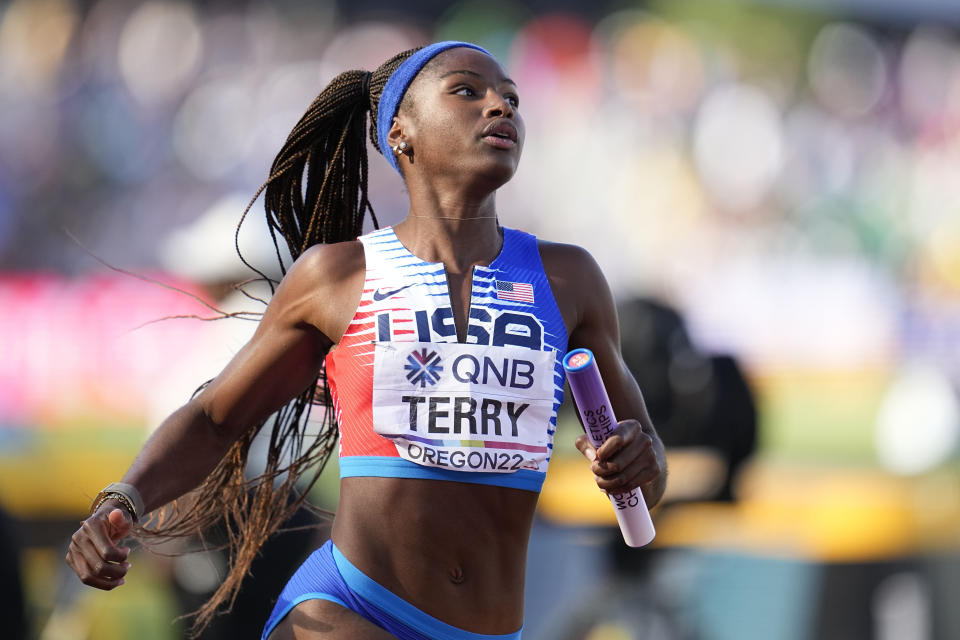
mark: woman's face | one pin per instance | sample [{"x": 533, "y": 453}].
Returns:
[{"x": 460, "y": 115}]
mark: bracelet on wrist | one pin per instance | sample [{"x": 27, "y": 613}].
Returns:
[
  {"x": 119, "y": 498},
  {"x": 126, "y": 494}
]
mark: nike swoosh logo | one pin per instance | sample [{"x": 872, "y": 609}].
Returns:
[{"x": 380, "y": 294}]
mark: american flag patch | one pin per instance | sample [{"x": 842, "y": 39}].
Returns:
[{"x": 515, "y": 291}]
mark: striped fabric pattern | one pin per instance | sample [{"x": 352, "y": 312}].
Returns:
[{"x": 401, "y": 284}]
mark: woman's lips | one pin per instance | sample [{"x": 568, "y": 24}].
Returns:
[
  {"x": 498, "y": 142},
  {"x": 500, "y": 134}
]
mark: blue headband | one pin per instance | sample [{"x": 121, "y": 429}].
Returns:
[{"x": 397, "y": 85}]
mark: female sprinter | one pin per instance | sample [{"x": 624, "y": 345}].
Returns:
[{"x": 441, "y": 340}]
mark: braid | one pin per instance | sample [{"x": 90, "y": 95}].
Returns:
[
  {"x": 316, "y": 193},
  {"x": 328, "y": 146}
]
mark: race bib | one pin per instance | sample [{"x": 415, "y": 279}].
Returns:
[{"x": 465, "y": 407}]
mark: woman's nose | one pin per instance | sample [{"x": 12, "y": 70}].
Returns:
[{"x": 498, "y": 106}]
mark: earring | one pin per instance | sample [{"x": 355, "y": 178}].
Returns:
[{"x": 400, "y": 148}]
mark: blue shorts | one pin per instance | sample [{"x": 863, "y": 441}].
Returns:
[{"x": 328, "y": 575}]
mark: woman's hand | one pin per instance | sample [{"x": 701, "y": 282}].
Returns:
[
  {"x": 94, "y": 553},
  {"x": 625, "y": 461}
]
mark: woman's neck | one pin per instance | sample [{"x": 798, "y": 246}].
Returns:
[{"x": 459, "y": 232}]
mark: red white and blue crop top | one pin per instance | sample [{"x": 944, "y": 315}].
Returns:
[{"x": 413, "y": 402}]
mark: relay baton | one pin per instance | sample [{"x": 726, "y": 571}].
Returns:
[{"x": 598, "y": 420}]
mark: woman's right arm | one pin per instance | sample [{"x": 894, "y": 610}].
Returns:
[{"x": 281, "y": 360}]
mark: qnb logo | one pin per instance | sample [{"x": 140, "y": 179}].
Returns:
[{"x": 424, "y": 367}]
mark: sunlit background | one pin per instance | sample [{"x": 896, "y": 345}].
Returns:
[{"x": 771, "y": 188}]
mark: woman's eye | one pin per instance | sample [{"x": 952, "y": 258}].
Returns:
[
  {"x": 464, "y": 91},
  {"x": 514, "y": 100}
]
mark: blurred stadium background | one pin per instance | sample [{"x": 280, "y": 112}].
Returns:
[{"x": 767, "y": 185}]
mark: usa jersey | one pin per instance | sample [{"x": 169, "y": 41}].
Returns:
[{"x": 413, "y": 402}]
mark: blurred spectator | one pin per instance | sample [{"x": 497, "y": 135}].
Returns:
[
  {"x": 13, "y": 611},
  {"x": 694, "y": 399}
]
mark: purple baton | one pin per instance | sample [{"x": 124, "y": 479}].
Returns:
[{"x": 598, "y": 420}]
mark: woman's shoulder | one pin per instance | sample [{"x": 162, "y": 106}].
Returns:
[
  {"x": 324, "y": 285},
  {"x": 329, "y": 263},
  {"x": 567, "y": 259},
  {"x": 574, "y": 277}
]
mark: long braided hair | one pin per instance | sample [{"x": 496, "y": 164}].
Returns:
[{"x": 316, "y": 193}]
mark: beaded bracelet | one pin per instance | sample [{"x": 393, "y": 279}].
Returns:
[{"x": 126, "y": 494}]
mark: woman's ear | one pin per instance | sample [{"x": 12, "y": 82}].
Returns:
[
  {"x": 399, "y": 140},
  {"x": 395, "y": 136}
]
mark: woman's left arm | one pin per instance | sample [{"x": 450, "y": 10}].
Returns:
[{"x": 633, "y": 456}]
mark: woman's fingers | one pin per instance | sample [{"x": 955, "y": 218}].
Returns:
[
  {"x": 98, "y": 565},
  {"x": 623, "y": 483},
  {"x": 626, "y": 459},
  {"x": 96, "y": 530},
  {"x": 583, "y": 445},
  {"x": 94, "y": 554},
  {"x": 120, "y": 524},
  {"x": 102, "y": 575},
  {"x": 626, "y": 434}
]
